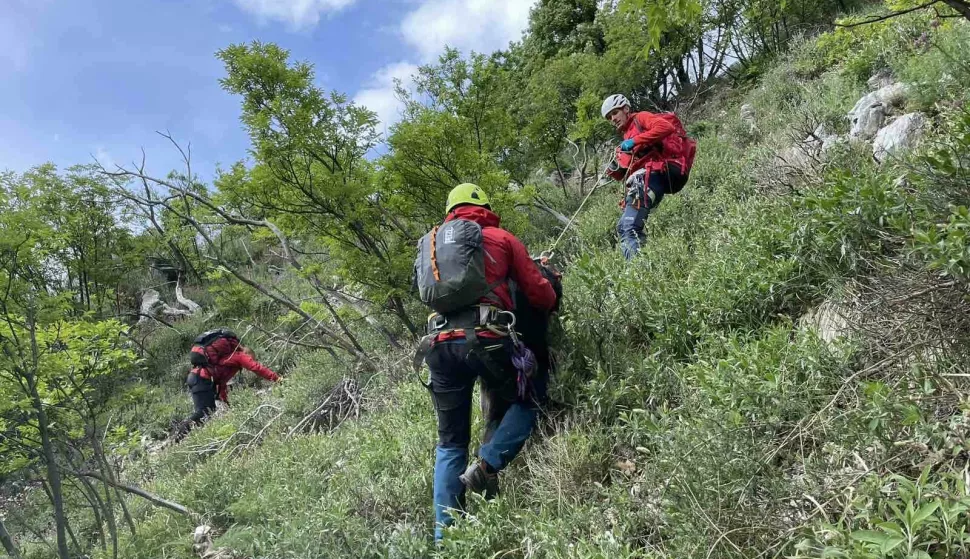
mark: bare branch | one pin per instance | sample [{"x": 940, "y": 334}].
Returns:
[
  {"x": 890, "y": 15},
  {"x": 155, "y": 499}
]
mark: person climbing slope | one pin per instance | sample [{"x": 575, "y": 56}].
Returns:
[
  {"x": 462, "y": 272},
  {"x": 216, "y": 357},
  {"x": 653, "y": 159}
]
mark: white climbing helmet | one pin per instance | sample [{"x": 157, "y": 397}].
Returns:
[{"x": 614, "y": 101}]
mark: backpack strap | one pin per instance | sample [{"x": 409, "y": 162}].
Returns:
[
  {"x": 636, "y": 123},
  {"x": 434, "y": 254}
]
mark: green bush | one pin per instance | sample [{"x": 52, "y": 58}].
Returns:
[
  {"x": 939, "y": 73},
  {"x": 860, "y": 51}
]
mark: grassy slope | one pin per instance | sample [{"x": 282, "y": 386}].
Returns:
[{"x": 701, "y": 418}]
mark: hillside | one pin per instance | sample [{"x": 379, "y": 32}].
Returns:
[{"x": 780, "y": 373}]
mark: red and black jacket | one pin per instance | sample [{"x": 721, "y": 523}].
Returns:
[{"x": 507, "y": 258}]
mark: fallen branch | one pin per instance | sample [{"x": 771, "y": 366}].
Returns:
[
  {"x": 340, "y": 403},
  {"x": 136, "y": 491}
]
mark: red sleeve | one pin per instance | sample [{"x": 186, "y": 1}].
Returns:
[
  {"x": 223, "y": 392},
  {"x": 241, "y": 359},
  {"x": 526, "y": 274},
  {"x": 654, "y": 129}
]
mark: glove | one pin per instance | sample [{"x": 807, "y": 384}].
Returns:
[{"x": 626, "y": 146}]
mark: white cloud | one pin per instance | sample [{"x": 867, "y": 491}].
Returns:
[
  {"x": 379, "y": 95},
  {"x": 300, "y": 14},
  {"x": 479, "y": 25},
  {"x": 102, "y": 156}
]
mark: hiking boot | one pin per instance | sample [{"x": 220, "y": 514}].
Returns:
[{"x": 477, "y": 479}]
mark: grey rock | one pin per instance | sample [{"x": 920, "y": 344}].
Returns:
[
  {"x": 868, "y": 121},
  {"x": 866, "y": 118},
  {"x": 880, "y": 79},
  {"x": 899, "y": 136}
]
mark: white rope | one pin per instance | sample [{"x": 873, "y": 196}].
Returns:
[{"x": 549, "y": 253}]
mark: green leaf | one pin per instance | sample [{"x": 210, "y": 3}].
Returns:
[
  {"x": 925, "y": 512},
  {"x": 891, "y": 543},
  {"x": 891, "y": 527},
  {"x": 870, "y": 536}
]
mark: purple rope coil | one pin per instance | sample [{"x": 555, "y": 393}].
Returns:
[{"x": 525, "y": 365}]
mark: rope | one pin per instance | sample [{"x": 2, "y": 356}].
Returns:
[{"x": 549, "y": 253}]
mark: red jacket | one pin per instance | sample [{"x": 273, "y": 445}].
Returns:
[
  {"x": 228, "y": 366},
  {"x": 506, "y": 258},
  {"x": 650, "y": 130}
]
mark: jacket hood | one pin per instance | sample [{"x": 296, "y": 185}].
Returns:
[{"x": 478, "y": 214}]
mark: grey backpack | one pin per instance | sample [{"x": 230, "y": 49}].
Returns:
[{"x": 450, "y": 266}]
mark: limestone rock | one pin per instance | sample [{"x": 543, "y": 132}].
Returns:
[
  {"x": 202, "y": 534},
  {"x": 748, "y": 116},
  {"x": 824, "y": 139},
  {"x": 149, "y": 299},
  {"x": 868, "y": 121},
  {"x": 899, "y": 136},
  {"x": 831, "y": 320},
  {"x": 869, "y": 113},
  {"x": 890, "y": 96},
  {"x": 880, "y": 79}
]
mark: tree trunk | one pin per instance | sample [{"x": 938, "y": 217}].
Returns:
[
  {"x": 402, "y": 314},
  {"x": 53, "y": 472},
  {"x": 97, "y": 506},
  {"x": 8, "y": 544},
  {"x": 562, "y": 177}
]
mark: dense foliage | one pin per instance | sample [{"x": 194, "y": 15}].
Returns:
[{"x": 782, "y": 372}]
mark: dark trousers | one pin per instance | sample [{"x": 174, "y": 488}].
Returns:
[
  {"x": 644, "y": 193},
  {"x": 508, "y": 420},
  {"x": 203, "y": 392}
]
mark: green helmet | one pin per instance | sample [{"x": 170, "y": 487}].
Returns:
[{"x": 466, "y": 193}]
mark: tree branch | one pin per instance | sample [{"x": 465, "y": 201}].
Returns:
[
  {"x": 155, "y": 499},
  {"x": 890, "y": 15}
]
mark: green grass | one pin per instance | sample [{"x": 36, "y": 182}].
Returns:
[{"x": 701, "y": 418}]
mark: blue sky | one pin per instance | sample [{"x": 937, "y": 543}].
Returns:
[{"x": 96, "y": 78}]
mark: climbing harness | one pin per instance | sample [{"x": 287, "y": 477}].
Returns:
[
  {"x": 470, "y": 321},
  {"x": 639, "y": 191}
]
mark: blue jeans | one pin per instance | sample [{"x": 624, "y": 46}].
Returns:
[
  {"x": 508, "y": 420},
  {"x": 644, "y": 193}
]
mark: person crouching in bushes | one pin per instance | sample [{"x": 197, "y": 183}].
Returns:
[{"x": 216, "y": 357}]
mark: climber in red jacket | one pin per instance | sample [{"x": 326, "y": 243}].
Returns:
[
  {"x": 654, "y": 159},
  {"x": 478, "y": 342},
  {"x": 220, "y": 357}
]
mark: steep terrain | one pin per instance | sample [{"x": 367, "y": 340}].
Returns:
[{"x": 780, "y": 374}]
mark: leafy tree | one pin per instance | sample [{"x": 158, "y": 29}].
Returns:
[
  {"x": 455, "y": 129},
  {"x": 92, "y": 249},
  {"x": 559, "y": 28},
  {"x": 56, "y": 367},
  {"x": 310, "y": 174}
]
